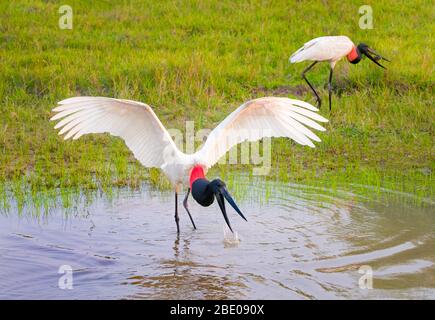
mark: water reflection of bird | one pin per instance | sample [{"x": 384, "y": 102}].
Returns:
[
  {"x": 332, "y": 49},
  {"x": 152, "y": 145}
]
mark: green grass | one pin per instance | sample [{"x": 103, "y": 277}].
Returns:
[{"x": 199, "y": 60}]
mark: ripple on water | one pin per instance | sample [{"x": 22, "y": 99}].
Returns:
[{"x": 299, "y": 243}]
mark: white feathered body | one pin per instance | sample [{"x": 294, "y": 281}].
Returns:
[
  {"x": 178, "y": 170},
  {"x": 329, "y": 48}
]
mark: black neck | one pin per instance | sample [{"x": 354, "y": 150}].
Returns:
[{"x": 202, "y": 192}]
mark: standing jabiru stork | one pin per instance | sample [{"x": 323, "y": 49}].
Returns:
[
  {"x": 332, "y": 49},
  {"x": 151, "y": 144}
]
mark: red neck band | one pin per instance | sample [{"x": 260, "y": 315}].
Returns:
[
  {"x": 353, "y": 54},
  {"x": 197, "y": 173}
]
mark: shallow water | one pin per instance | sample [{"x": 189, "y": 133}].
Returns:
[{"x": 298, "y": 243}]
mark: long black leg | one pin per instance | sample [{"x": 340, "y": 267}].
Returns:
[
  {"x": 330, "y": 87},
  {"x": 319, "y": 101},
  {"x": 187, "y": 209},
  {"x": 176, "y": 212}
]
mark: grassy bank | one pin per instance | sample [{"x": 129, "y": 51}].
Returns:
[{"x": 198, "y": 61}]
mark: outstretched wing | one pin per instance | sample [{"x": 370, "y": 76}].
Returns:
[
  {"x": 259, "y": 118},
  {"x": 135, "y": 122}
]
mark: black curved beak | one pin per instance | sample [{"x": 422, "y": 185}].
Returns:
[
  {"x": 376, "y": 56},
  {"x": 221, "y": 194}
]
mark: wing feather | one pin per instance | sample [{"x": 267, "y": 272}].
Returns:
[
  {"x": 135, "y": 122},
  {"x": 259, "y": 118}
]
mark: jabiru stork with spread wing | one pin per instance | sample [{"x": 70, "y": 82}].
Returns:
[{"x": 151, "y": 144}]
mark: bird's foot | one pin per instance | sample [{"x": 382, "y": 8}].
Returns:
[{"x": 319, "y": 103}]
